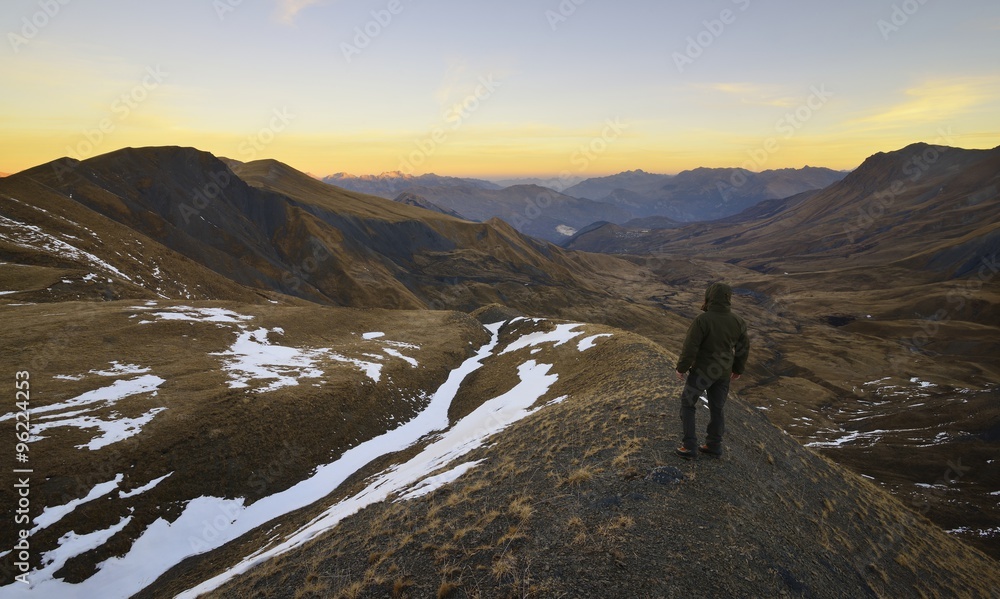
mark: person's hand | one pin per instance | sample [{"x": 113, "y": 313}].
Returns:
[
  {"x": 680, "y": 375},
  {"x": 735, "y": 376}
]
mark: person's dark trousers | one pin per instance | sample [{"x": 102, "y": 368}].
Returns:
[{"x": 717, "y": 390}]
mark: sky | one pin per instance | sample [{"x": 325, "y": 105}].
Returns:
[{"x": 546, "y": 88}]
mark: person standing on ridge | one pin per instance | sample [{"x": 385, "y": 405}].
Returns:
[{"x": 715, "y": 352}]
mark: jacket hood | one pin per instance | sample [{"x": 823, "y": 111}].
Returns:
[{"x": 718, "y": 298}]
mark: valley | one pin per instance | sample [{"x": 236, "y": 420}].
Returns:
[{"x": 287, "y": 387}]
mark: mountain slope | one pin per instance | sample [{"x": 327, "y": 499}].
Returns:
[
  {"x": 877, "y": 303},
  {"x": 559, "y": 504},
  {"x": 933, "y": 207},
  {"x": 411, "y": 199},
  {"x": 509, "y": 457},
  {"x": 269, "y": 227}
]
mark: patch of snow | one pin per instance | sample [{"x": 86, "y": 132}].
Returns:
[
  {"x": 119, "y": 369},
  {"x": 117, "y": 391},
  {"x": 401, "y": 344},
  {"x": 432, "y": 483},
  {"x": 252, "y": 357},
  {"x": 68, "y": 377},
  {"x": 187, "y": 313},
  {"x": 51, "y": 515},
  {"x": 370, "y": 336},
  {"x": 372, "y": 370},
  {"x": 144, "y": 488},
  {"x": 923, "y": 384},
  {"x": 8, "y": 292},
  {"x": 31, "y": 236},
  {"x": 982, "y": 532},
  {"x": 563, "y": 333},
  {"x": 590, "y": 342},
  {"x": 70, "y": 546},
  {"x": 113, "y": 429},
  {"x": 396, "y": 354}
]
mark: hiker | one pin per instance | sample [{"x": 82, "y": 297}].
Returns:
[{"x": 714, "y": 352}]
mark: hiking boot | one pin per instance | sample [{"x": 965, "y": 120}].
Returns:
[
  {"x": 714, "y": 453},
  {"x": 687, "y": 454}
]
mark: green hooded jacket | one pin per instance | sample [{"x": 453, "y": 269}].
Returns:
[{"x": 717, "y": 342}]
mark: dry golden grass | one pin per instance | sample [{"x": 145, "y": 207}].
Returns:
[
  {"x": 504, "y": 566},
  {"x": 446, "y": 589},
  {"x": 400, "y": 585},
  {"x": 579, "y": 476},
  {"x": 520, "y": 508}
]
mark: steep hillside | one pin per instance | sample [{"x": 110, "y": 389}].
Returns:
[
  {"x": 284, "y": 452},
  {"x": 271, "y": 228},
  {"x": 412, "y": 199},
  {"x": 877, "y": 303},
  {"x": 55, "y": 248},
  {"x": 934, "y": 207}
]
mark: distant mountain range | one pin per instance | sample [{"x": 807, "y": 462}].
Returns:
[
  {"x": 539, "y": 208},
  {"x": 939, "y": 214},
  {"x": 389, "y": 185},
  {"x": 703, "y": 193},
  {"x": 532, "y": 210},
  {"x": 559, "y": 184}
]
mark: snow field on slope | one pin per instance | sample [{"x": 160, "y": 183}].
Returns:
[{"x": 207, "y": 523}]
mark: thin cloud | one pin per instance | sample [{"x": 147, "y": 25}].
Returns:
[
  {"x": 289, "y": 9},
  {"x": 755, "y": 94},
  {"x": 935, "y": 101}
]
